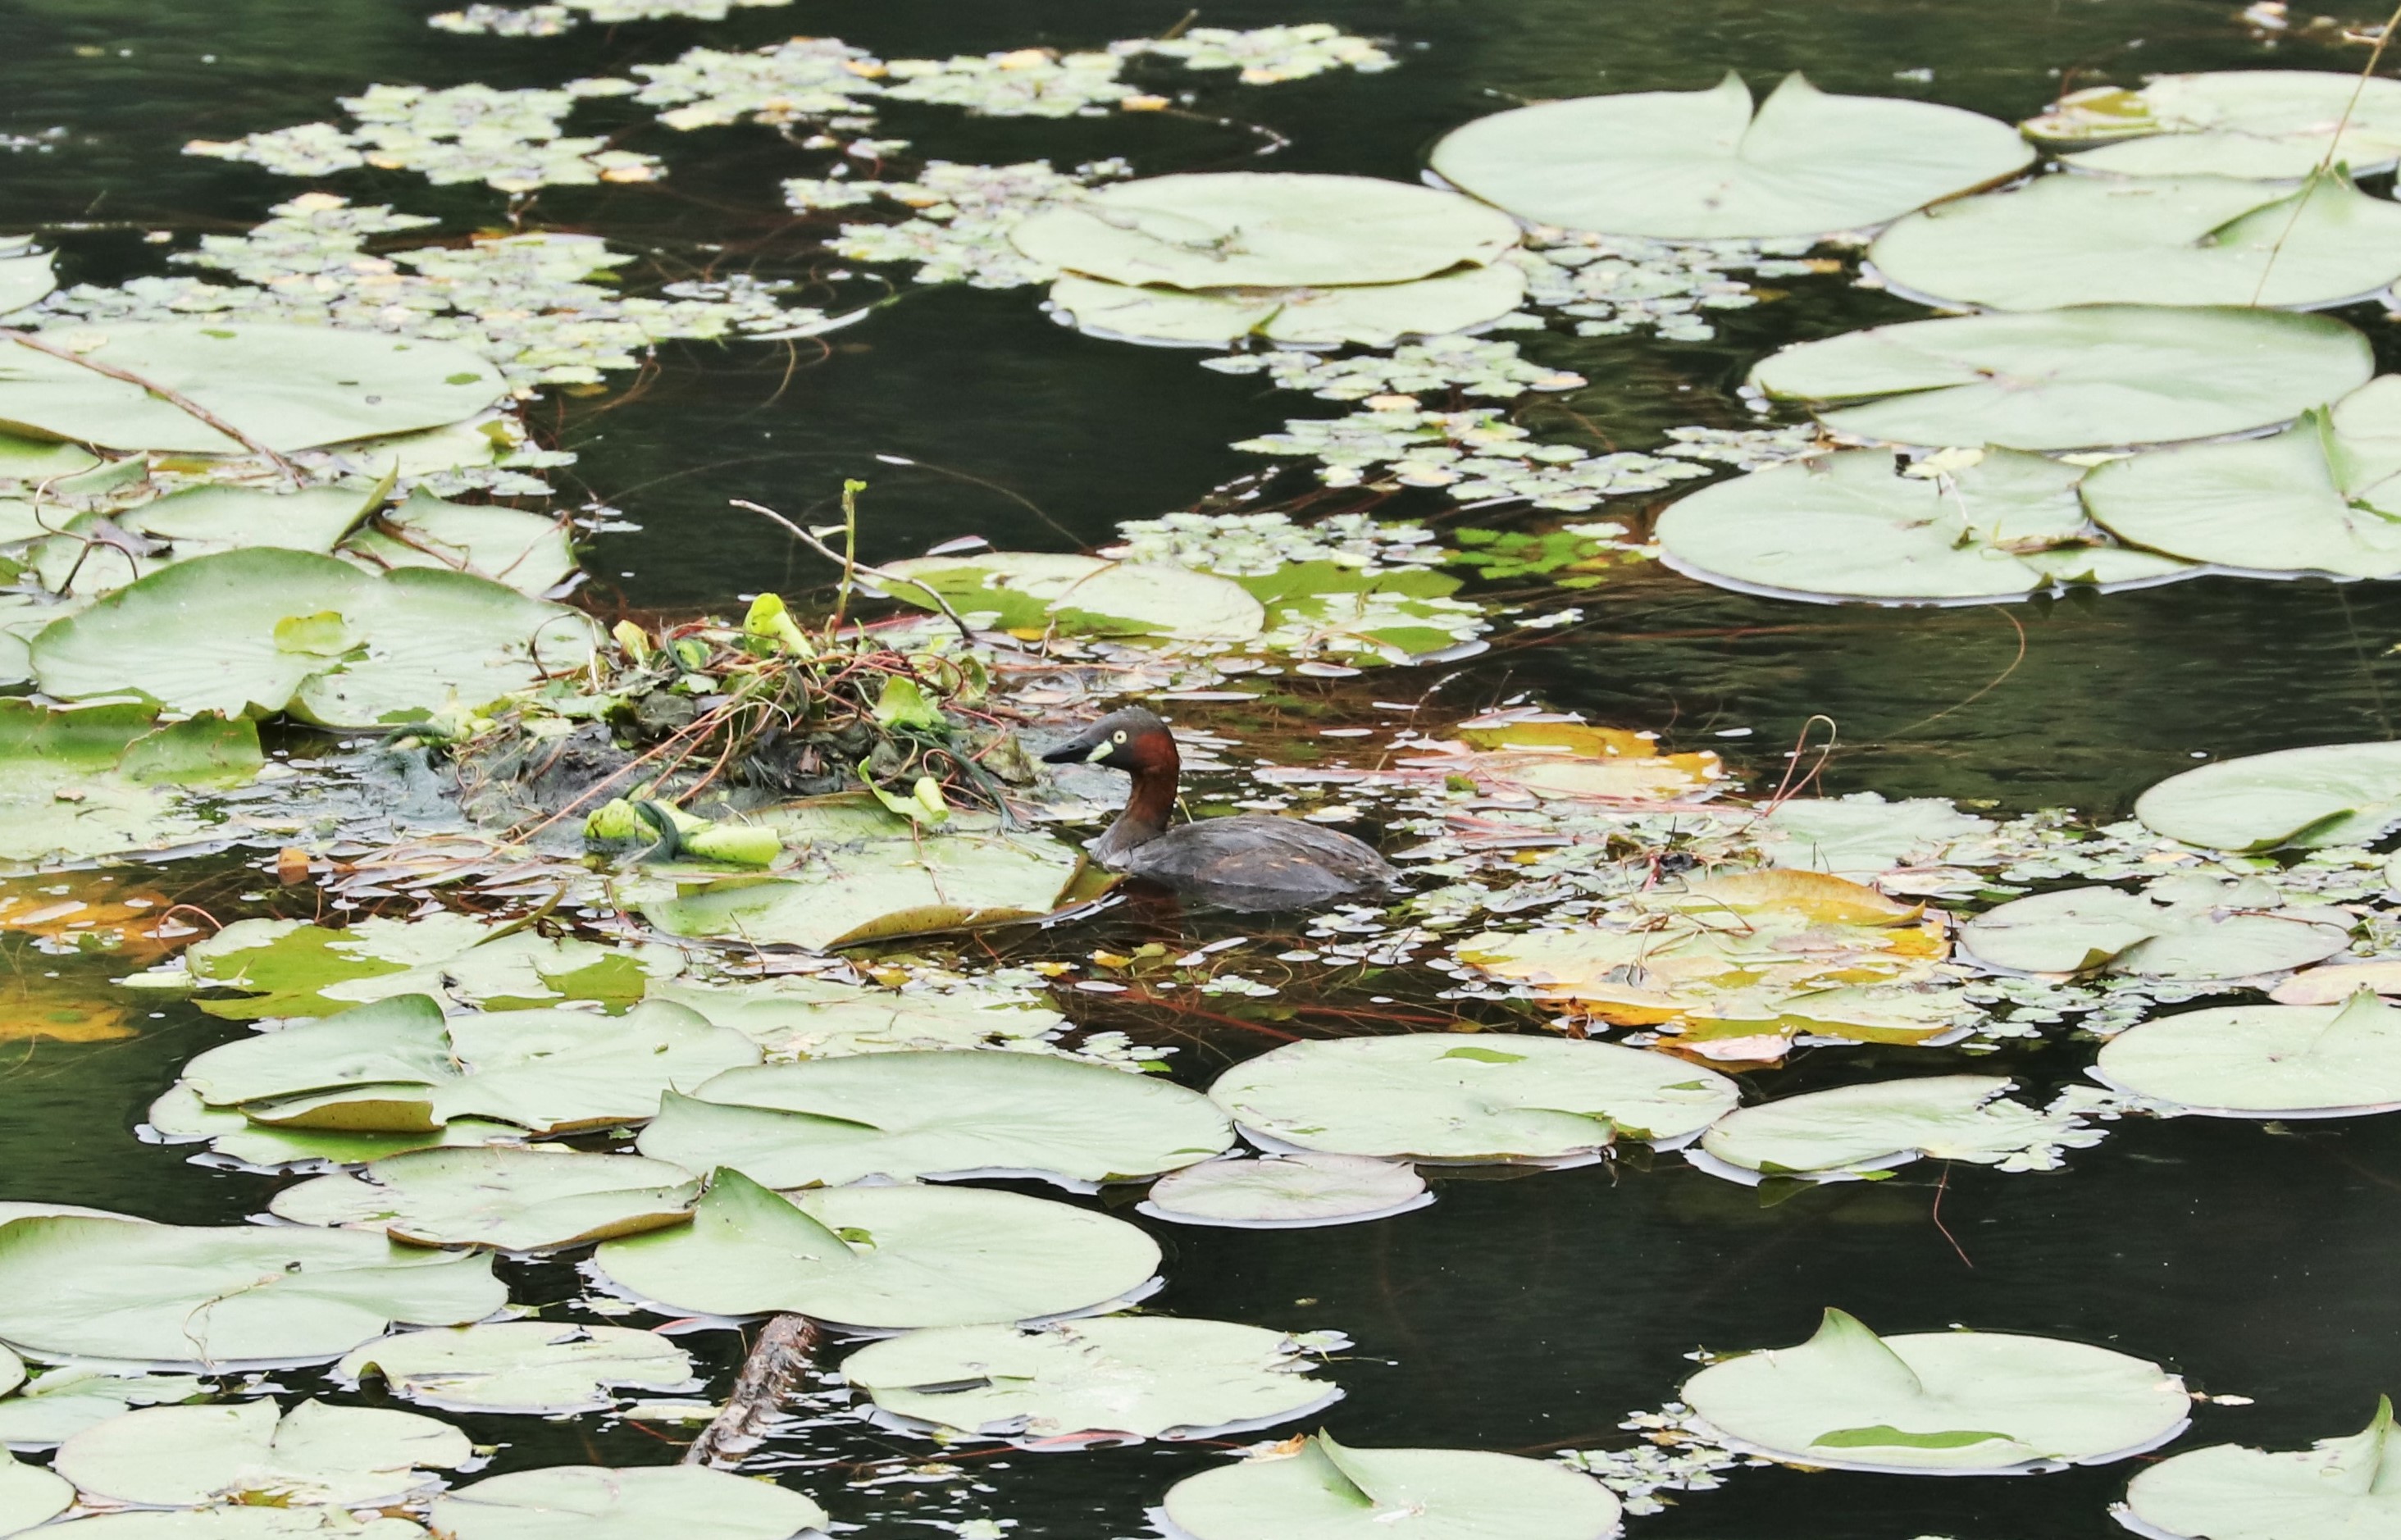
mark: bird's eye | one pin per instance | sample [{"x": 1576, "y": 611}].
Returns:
[{"x": 1119, "y": 734}]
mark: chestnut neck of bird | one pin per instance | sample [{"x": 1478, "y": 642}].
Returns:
[{"x": 1151, "y": 803}]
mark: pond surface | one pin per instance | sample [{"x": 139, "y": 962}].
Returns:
[{"x": 1531, "y": 1312}]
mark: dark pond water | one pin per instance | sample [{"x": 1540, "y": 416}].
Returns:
[{"x": 1527, "y": 1314}]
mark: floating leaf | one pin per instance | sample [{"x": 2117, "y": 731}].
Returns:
[
  {"x": 2265, "y": 1061},
  {"x": 1939, "y": 1401},
  {"x": 65, "y": 1401},
  {"x": 2090, "y": 378},
  {"x": 2185, "y": 925},
  {"x": 1316, "y": 1488},
  {"x": 510, "y": 1200},
  {"x": 25, "y": 276},
  {"x": 203, "y": 521},
  {"x": 596, "y": 1503},
  {"x": 2335, "y": 982},
  {"x": 2265, "y": 124},
  {"x": 1864, "y": 837},
  {"x": 2148, "y": 240},
  {"x": 221, "y": 1298},
  {"x": 245, "y": 1524},
  {"x": 289, "y": 387},
  {"x": 1297, "y": 1191},
  {"x": 1374, "y": 315},
  {"x": 2338, "y": 1489},
  {"x": 1702, "y": 166},
  {"x": 1264, "y": 229},
  {"x": 1141, "y": 1377},
  {"x": 542, "y": 1368},
  {"x": 81, "y": 782},
  {"x": 1885, "y": 1124},
  {"x": 883, "y": 1257},
  {"x": 2335, "y": 793},
  {"x": 30, "y": 1495},
  {"x": 904, "y": 1116},
  {"x": 877, "y": 891},
  {"x": 805, "y": 1018},
  {"x": 179, "y": 1116},
  {"x": 242, "y": 1452},
  {"x": 1849, "y": 526},
  {"x": 1084, "y": 594},
  {"x": 527, "y": 552},
  {"x": 1566, "y": 762},
  {"x": 1457, "y": 1097}
]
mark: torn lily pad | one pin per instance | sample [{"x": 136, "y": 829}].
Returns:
[
  {"x": 825, "y": 1122},
  {"x": 1124, "y": 1377},
  {"x": 243, "y": 1451},
  {"x": 1853, "y": 1130},
  {"x": 535, "y": 1368},
  {"x": 2064, "y": 241},
  {"x": 81, "y": 782},
  {"x": 1704, "y": 166},
  {"x": 1374, "y": 315},
  {"x": 2184, "y": 926},
  {"x": 2323, "y": 496},
  {"x": 2265, "y": 1061},
  {"x": 2335, "y": 793},
  {"x": 509, "y": 1199},
  {"x": 1316, "y": 1488},
  {"x": 222, "y": 1297},
  {"x": 1035, "y": 590},
  {"x": 883, "y": 1259},
  {"x": 1939, "y": 1402},
  {"x": 1468, "y": 1098},
  {"x": 1852, "y": 525},
  {"x": 1296, "y": 1191},
  {"x": 2269, "y": 125},
  {"x": 62, "y": 1402},
  {"x": 596, "y": 1503},
  {"x": 2094, "y": 377},
  {"x": 2338, "y": 1489}
]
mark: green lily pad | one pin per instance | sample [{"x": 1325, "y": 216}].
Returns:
[
  {"x": 1263, "y": 229},
  {"x": 537, "y": 1367},
  {"x": 884, "y": 1259},
  {"x": 63, "y": 1402},
  {"x": 222, "y": 1297},
  {"x": 509, "y": 1199},
  {"x": 30, "y": 1495},
  {"x": 880, "y": 890},
  {"x": 1939, "y": 1402},
  {"x": 244, "y": 1452},
  {"x": 805, "y": 1018},
  {"x": 1704, "y": 166},
  {"x": 80, "y": 782},
  {"x": 2148, "y": 240},
  {"x": 24, "y": 276},
  {"x": 1862, "y": 836},
  {"x": 245, "y": 1524},
  {"x": 1873, "y": 1127},
  {"x": 2091, "y": 378},
  {"x": 527, "y": 552},
  {"x": 203, "y": 521},
  {"x": 2323, "y": 496},
  {"x": 289, "y": 387},
  {"x": 179, "y": 1116},
  {"x": 1848, "y": 525},
  {"x": 2273, "y": 125},
  {"x": 1374, "y": 315},
  {"x": 1140, "y": 1377},
  {"x": 2188, "y": 926},
  {"x": 1083, "y": 594},
  {"x": 1297, "y": 1191},
  {"x": 2338, "y": 1489},
  {"x": 1319, "y": 1490},
  {"x": 1469, "y": 1098},
  {"x": 2265, "y": 1061},
  {"x": 2335, "y": 793},
  {"x": 596, "y": 1503},
  {"x": 259, "y": 631}
]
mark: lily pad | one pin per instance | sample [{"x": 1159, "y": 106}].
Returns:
[
  {"x": 245, "y": 1524},
  {"x": 1316, "y": 1488},
  {"x": 884, "y": 1259},
  {"x": 2320, "y": 497},
  {"x": 548, "y": 1368},
  {"x": 1264, "y": 229},
  {"x": 805, "y": 1018},
  {"x": 2148, "y": 240},
  {"x": 62, "y": 1402},
  {"x": 30, "y": 1495},
  {"x": 509, "y": 1199},
  {"x": 2187, "y": 926},
  {"x": 1374, "y": 315},
  {"x": 1848, "y": 527},
  {"x": 1702, "y": 166},
  {"x": 1864, "y": 837},
  {"x": 222, "y": 1297},
  {"x": 596, "y": 1503},
  {"x": 259, "y": 631},
  {"x": 2091, "y": 378},
  {"x": 2335, "y": 793},
  {"x": 1852, "y": 1129},
  {"x": 1298, "y": 1191},
  {"x": 1034, "y": 590},
  {"x": 2338, "y": 1489},
  {"x": 527, "y": 552},
  {"x": 243, "y": 1451},
  {"x": 25, "y": 276},
  {"x": 203, "y": 521},
  {"x": 81, "y": 782},
  {"x": 1469, "y": 1098},
  {"x": 826, "y": 1122},
  {"x": 1940, "y": 1402},
  {"x": 2273, "y": 125},
  {"x": 1137, "y": 1377},
  {"x": 2265, "y": 1061},
  {"x": 179, "y": 1116},
  {"x": 289, "y": 387}
]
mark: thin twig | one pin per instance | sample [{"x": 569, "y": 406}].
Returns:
[
  {"x": 1940, "y": 1187},
  {"x": 167, "y": 394},
  {"x": 967, "y": 634},
  {"x": 777, "y": 1362}
]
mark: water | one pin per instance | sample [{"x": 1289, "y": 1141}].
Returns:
[{"x": 1527, "y": 1314}]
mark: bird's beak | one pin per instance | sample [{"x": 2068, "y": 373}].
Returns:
[{"x": 1084, "y": 747}]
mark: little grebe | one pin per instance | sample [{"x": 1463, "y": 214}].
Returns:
[{"x": 1250, "y": 862}]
